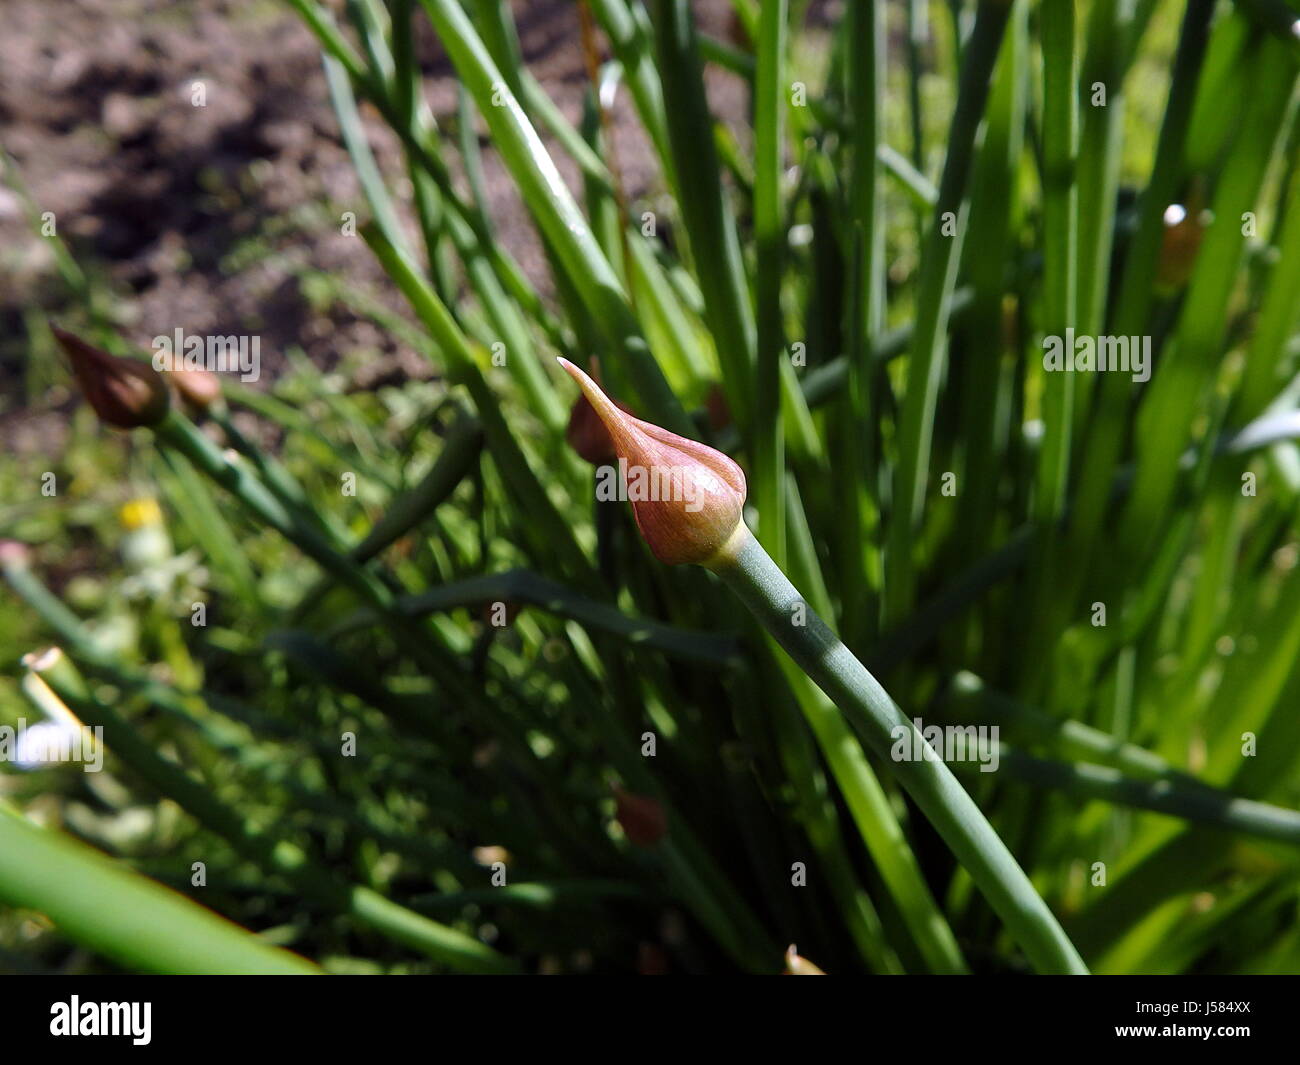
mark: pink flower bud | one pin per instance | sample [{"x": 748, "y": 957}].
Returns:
[
  {"x": 13, "y": 553},
  {"x": 124, "y": 393},
  {"x": 689, "y": 499}
]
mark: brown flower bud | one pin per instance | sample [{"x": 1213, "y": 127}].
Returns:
[
  {"x": 197, "y": 387},
  {"x": 642, "y": 819},
  {"x": 1179, "y": 244},
  {"x": 125, "y": 393},
  {"x": 688, "y": 498},
  {"x": 1180, "y": 241},
  {"x": 717, "y": 407}
]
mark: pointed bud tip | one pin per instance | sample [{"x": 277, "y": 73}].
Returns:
[
  {"x": 576, "y": 372},
  {"x": 588, "y": 431},
  {"x": 594, "y": 393}
]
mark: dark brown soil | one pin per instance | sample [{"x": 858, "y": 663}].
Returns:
[{"x": 202, "y": 217}]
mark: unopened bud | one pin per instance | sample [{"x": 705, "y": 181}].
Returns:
[
  {"x": 642, "y": 819},
  {"x": 199, "y": 388},
  {"x": 699, "y": 520},
  {"x": 125, "y": 393}
]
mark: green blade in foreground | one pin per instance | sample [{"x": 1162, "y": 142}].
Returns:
[{"x": 123, "y": 915}]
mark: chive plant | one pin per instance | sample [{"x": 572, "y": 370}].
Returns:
[{"x": 970, "y": 371}]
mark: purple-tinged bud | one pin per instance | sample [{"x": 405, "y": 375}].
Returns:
[
  {"x": 688, "y": 498},
  {"x": 125, "y": 393},
  {"x": 642, "y": 819},
  {"x": 717, "y": 407}
]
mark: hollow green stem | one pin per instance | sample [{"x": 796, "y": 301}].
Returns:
[{"x": 748, "y": 570}]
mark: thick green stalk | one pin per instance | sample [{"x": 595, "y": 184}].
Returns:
[
  {"x": 916, "y": 38},
  {"x": 877, "y": 823},
  {"x": 748, "y": 570}
]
